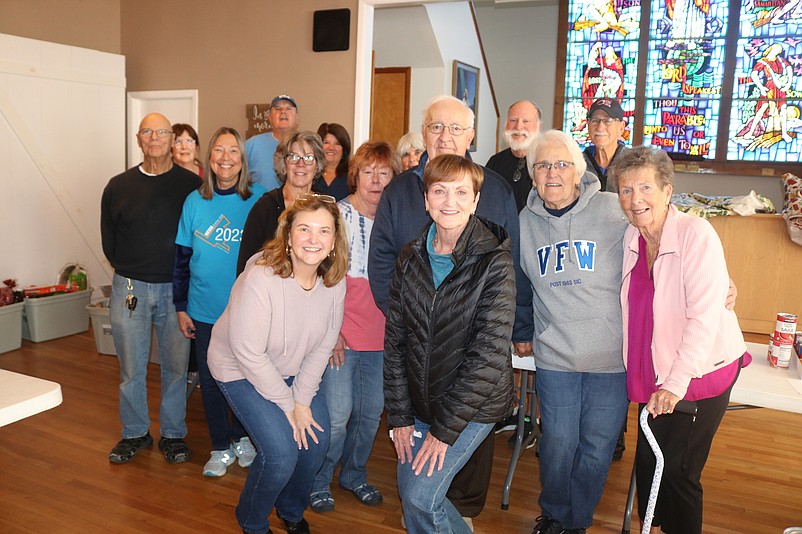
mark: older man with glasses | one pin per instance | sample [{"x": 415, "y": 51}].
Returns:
[
  {"x": 401, "y": 216},
  {"x": 606, "y": 125},
  {"x": 139, "y": 215}
]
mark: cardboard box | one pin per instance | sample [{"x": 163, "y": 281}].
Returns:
[
  {"x": 11, "y": 327},
  {"x": 47, "y": 318},
  {"x": 101, "y": 327}
]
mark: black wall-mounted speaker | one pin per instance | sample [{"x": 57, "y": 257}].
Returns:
[{"x": 332, "y": 30}]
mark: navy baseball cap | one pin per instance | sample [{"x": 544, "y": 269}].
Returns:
[{"x": 611, "y": 106}]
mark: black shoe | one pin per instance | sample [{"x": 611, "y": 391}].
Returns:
[
  {"x": 295, "y": 527},
  {"x": 528, "y": 440},
  {"x": 620, "y": 447},
  {"x": 508, "y": 424},
  {"x": 175, "y": 450},
  {"x": 574, "y": 531},
  {"x": 547, "y": 525},
  {"x": 128, "y": 448}
]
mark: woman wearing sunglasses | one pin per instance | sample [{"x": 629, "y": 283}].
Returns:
[{"x": 298, "y": 160}]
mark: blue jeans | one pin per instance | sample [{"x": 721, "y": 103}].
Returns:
[
  {"x": 221, "y": 429},
  {"x": 582, "y": 414},
  {"x": 426, "y": 508},
  {"x": 355, "y": 398},
  {"x": 281, "y": 475},
  {"x": 131, "y": 333}
]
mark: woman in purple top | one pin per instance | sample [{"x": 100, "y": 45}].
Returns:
[
  {"x": 268, "y": 352},
  {"x": 680, "y": 340}
]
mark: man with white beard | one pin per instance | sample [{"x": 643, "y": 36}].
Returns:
[{"x": 523, "y": 126}]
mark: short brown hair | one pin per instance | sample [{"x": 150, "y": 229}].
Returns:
[
  {"x": 452, "y": 168},
  {"x": 210, "y": 178},
  {"x": 275, "y": 253},
  {"x": 372, "y": 153},
  {"x": 179, "y": 128}
]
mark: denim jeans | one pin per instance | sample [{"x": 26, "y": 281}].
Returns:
[
  {"x": 355, "y": 398},
  {"x": 582, "y": 414},
  {"x": 426, "y": 508},
  {"x": 131, "y": 332},
  {"x": 281, "y": 475},
  {"x": 221, "y": 429}
]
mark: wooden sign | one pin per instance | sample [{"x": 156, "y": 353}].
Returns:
[{"x": 257, "y": 115}]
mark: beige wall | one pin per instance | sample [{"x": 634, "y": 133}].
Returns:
[
  {"x": 91, "y": 24},
  {"x": 239, "y": 56}
]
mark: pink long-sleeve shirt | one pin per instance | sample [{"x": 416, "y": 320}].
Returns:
[
  {"x": 694, "y": 334},
  {"x": 271, "y": 330}
]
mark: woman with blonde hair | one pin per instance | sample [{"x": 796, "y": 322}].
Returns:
[{"x": 268, "y": 353}]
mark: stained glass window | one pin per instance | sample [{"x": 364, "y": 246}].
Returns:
[
  {"x": 767, "y": 89},
  {"x": 602, "y": 60},
  {"x": 680, "y": 95}
]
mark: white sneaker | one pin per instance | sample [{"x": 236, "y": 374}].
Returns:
[
  {"x": 245, "y": 451},
  {"x": 217, "y": 464}
]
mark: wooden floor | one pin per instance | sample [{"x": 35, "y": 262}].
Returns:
[{"x": 55, "y": 475}]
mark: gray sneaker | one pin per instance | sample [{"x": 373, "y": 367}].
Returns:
[{"x": 245, "y": 451}]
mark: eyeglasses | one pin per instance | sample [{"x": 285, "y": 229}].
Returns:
[
  {"x": 453, "y": 129},
  {"x": 186, "y": 142},
  {"x": 148, "y": 132},
  {"x": 309, "y": 197},
  {"x": 516, "y": 177},
  {"x": 308, "y": 159},
  {"x": 543, "y": 167},
  {"x": 606, "y": 121}
]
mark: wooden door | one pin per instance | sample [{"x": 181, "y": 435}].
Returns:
[{"x": 389, "y": 118}]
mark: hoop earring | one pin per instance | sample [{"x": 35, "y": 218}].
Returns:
[
  {"x": 288, "y": 249},
  {"x": 332, "y": 255}
]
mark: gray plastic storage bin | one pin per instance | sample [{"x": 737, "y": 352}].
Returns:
[
  {"x": 101, "y": 326},
  {"x": 10, "y": 327},
  {"x": 47, "y": 318}
]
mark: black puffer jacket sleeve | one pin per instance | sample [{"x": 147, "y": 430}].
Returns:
[
  {"x": 486, "y": 364},
  {"x": 397, "y": 400}
]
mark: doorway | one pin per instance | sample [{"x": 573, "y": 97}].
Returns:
[{"x": 389, "y": 117}]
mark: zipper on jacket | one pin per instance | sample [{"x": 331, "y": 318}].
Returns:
[{"x": 429, "y": 355}]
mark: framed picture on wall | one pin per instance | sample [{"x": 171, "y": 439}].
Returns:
[{"x": 465, "y": 86}]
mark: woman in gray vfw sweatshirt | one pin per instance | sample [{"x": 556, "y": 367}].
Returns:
[{"x": 571, "y": 253}]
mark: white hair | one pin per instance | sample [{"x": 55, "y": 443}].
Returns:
[
  {"x": 448, "y": 98},
  {"x": 561, "y": 138}
]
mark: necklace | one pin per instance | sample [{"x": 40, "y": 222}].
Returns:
[{"x": 292, "y": 275}]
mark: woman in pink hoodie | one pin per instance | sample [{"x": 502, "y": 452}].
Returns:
[{"x": 680, "y": 341}]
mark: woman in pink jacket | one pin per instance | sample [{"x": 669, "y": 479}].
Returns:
[{"x": 680, "y": 341}]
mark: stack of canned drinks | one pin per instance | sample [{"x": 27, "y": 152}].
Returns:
[{"x": 781, "y": 344}]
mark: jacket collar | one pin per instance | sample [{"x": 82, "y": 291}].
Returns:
[
  {"x": 669, "y": 238},
  {"x": 479, "y": 237}
]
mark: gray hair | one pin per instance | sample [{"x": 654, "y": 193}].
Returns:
[
  {"x": 409, "y": 141},
  {"x": 447, "y": 98},
  {"x": 641, "y": 157},
  {"x": 537, "y": 108},
  {"x": 561, "y": 138},
  {"x": 285, "y": 147}
]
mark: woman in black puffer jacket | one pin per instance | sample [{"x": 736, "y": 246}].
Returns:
[{"x": 447, "y": 368}]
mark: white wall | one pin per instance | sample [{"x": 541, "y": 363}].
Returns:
[
  {"x": 453, "y": 26},
  {"x": 520, "y": 44},
  {"x": 62, "y": 136},
  {"x": 428, "y": 38}
]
